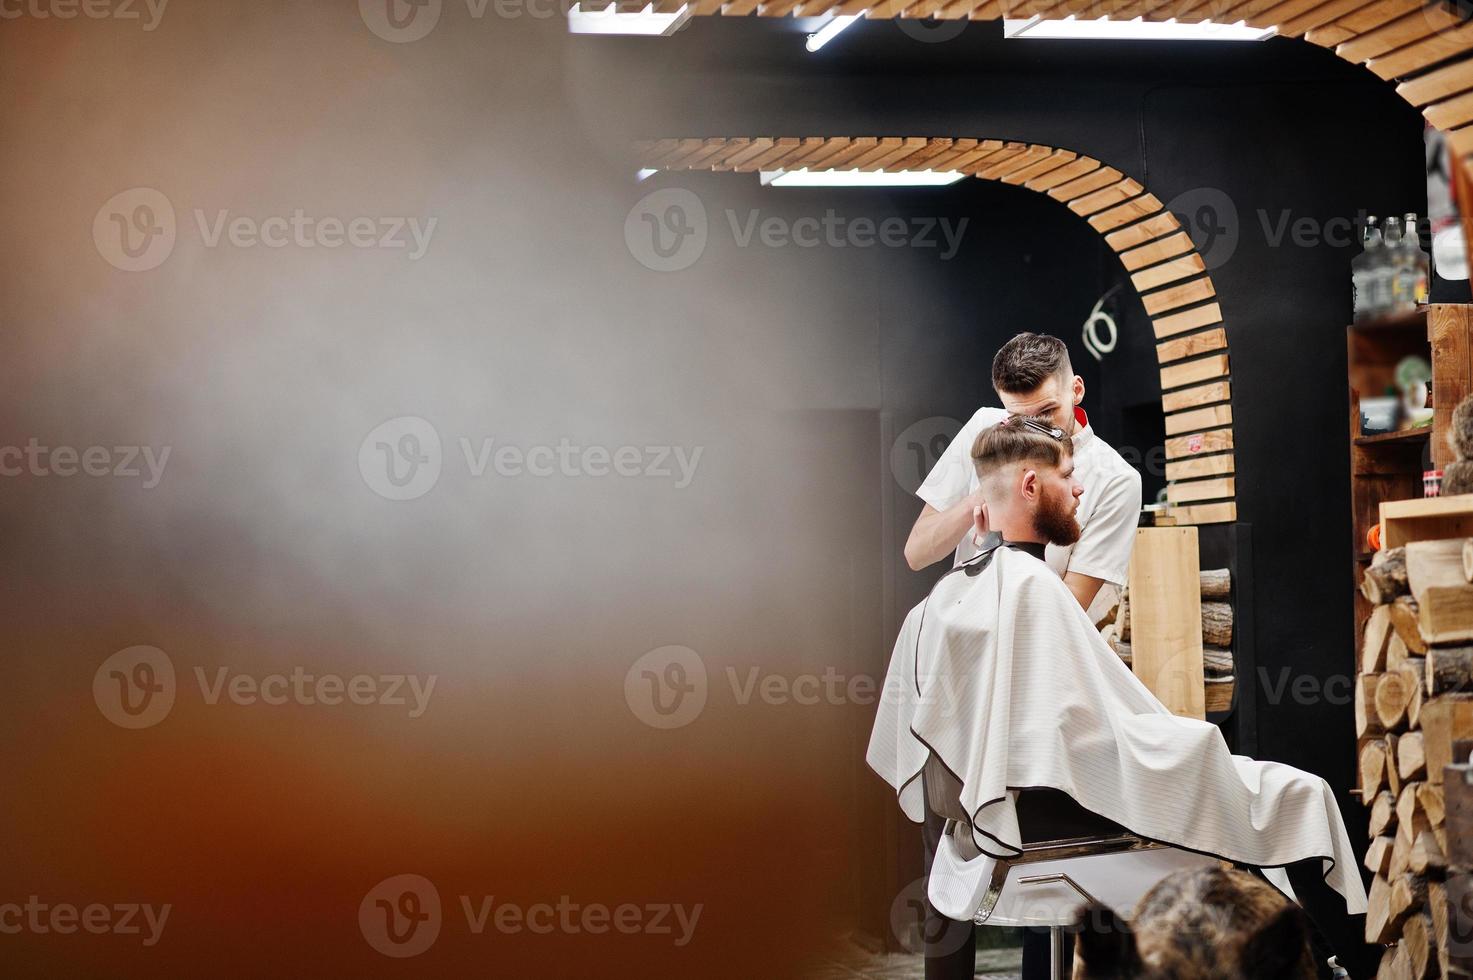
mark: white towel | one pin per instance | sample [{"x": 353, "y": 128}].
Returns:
[{"x": 1002, "y": 674}]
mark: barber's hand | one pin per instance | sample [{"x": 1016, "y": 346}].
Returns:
[{"x": 979, "y": 519}]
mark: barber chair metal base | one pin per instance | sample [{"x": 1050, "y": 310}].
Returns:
[{"x": 1051, "y": 880}]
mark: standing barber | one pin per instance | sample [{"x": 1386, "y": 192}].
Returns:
[{"x": 1032, "y": 376}]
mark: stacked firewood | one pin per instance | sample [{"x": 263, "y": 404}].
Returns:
[
  {"x": 1217, "y": 635},
  {"x": 1413, "y": 702}
]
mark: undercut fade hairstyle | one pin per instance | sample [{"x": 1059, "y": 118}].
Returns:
[
  {"x": 1020, "y": 439},
  {"x": 1027, "y": 361}
]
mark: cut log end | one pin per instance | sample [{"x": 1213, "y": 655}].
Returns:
[
  {"x": 1217, "y": 583},
  {"x": 1392, "y": 699},
  {"x": 1366, "y": 722},
  {"x": 1386, "y": 578},
  {"x": 1372, "y": 769}
]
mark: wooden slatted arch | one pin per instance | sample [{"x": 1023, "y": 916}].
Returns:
[
  {"x": 1425, "y": 48},
  {"x": 1163, "y": 264}
]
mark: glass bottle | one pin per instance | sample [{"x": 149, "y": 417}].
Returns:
[
  {"x": 1417, "y": 260},
  {"x": 1397, "y": 291},
  {"x": 1363, "y": 271}
]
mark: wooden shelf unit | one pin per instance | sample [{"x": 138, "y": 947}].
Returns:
[
  {"x": 1388, "y": 466},
  {"x": 1428, "y": 519},
  {"x": 1419, "y": 434}
]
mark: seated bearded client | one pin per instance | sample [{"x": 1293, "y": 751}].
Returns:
[{"x": 999, "y": 682}]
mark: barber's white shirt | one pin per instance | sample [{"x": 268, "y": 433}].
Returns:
[{"x": 1109, "y": 508}]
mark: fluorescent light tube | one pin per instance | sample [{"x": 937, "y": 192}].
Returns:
[
  {"x": 859, "y": 178},
  {"x": 1103, "y": 29},
  {"x": 829, "y": 31},
  {"x": 645, "y": 23}
]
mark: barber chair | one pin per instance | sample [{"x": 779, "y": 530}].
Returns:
[{"x": 1070, "y": 857}]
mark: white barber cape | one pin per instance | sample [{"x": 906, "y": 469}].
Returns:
[{"x": 1004, "y": 677}]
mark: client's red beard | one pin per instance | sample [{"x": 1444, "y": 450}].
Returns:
[{"x": 1055, "y": 519}]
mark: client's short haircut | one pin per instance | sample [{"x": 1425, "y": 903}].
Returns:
[
  {"x": 1027, "y": 361},
  {"x": 1018, "y": 439}
]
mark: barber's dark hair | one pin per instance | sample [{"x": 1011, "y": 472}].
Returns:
[
  {"x": 1027, "y": 361},
  {"x": 1020, "y": 438}
]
